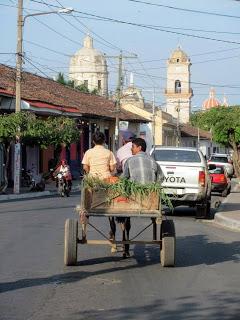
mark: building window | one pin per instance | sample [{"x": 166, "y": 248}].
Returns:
[
  {"x": 177, "y": 86},
  {"x": 177, "y": 60},
  {"x": 99, "y": 84},
  {"x": 85, "y": 83}
]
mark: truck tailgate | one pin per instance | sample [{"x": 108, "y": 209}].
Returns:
[{"x": 180, "y": 176}]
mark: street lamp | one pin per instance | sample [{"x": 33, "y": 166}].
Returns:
[
  {"x": 19, "y": 56},
  {"x": 63, "y": 10},
  {"x": 20, "y": 24}
]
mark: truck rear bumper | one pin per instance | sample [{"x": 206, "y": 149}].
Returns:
[{"x": 190, "y": 199}]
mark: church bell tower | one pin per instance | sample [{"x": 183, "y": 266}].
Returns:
[{"x": 178, "y": 92}]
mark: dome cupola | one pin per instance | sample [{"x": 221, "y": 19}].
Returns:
[
  {"x": 88, "y": 67},
  {"x": 211, "y": 102}
]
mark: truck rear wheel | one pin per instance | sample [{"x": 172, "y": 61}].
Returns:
[
  {"x": 203, "y": 210},
  {"x": 70, "y": 242},
  {"x": 225, "y": 192},
  {"x": 168, "y": 244}
]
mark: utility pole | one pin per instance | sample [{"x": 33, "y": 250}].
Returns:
[
  {"x": 118, "y": 101},
  {"x": 17, "y": 147},
  {"x": 178, "y": 124},
  {"x": 119, "y": 93},
  {"x": 154, "y": 118},
  {"x": 198, "y": 138},
  {"x": 19, "y": 56},
  {"x": 19, "y": 62}
]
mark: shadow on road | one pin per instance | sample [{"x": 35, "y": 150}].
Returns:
[
  {"x": 64, "y": 278},
  {"x": 196, "y": 249},
  {"x": 191, "y": 251},
  {"x": 185, "y": 307}
]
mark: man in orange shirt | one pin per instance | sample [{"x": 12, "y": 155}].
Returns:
[{"x": 98, "y": 161}]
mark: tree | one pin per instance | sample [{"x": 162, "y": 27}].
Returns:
[
  {"x": 60, "y": 78},
  {"x": 60, "y": 132},
  {"x": 30, "y": 130},
  {"x": 70, "y": 83},
  {"x": 12, "y": 127},
  {"x": 82, "y": 88},
  {"x": 224, "y": 124}
]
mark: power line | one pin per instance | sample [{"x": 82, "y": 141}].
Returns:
[
  {"x": 196, "y": 62},
  {"x": 29, "y": 61},
  {"x": 194, "y": 55},
  {"x": 43, "y": 47},
  {"x": 156, "y": 28},
  {"x": 141, "y": 74},
  {"x": 186, "y": 10},
  {"x": 194, "y": 82},
  {"x": 15, "y": 6},
  {"x": 55, "y": 31},
  {"x": 197, "y": 30},
  {"x": 105, "y": 43},
  {"x": 112, "y": 46},
  {"x": 152, "y": 27}
]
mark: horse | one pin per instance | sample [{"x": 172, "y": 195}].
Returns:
[{"x": 125, "y": 224}]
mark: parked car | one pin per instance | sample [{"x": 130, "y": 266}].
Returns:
[
  {"x": 222, "y": 159},
  {"x": 220, "y": 179},
  {"x": 187, "y": 181}
]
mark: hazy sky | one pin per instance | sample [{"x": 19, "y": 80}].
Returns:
[{"x": 214, "y": 63}]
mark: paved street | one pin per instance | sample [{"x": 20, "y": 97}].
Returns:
[{"x": 35, "y": 285}]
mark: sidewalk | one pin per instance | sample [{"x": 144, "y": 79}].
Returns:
[
  {"x": 50, "y": 189},
  {"x": 228, "y": 215}
]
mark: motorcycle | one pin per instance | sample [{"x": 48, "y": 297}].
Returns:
[
  {"x": 32, "y": 181},
  {"x": 26, "y": 178},
  {"x": 37, "y": 183},
  {"x": 63, "y": 186}
]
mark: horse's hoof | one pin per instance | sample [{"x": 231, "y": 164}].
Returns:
[
  {"x": 111, "y": 236},
  {"x": 126, "y": 254},
  {"x": 114, "y": 249}
]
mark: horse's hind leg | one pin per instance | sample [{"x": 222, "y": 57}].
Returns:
[
  {"x": 112, "y": 233},
  {"x": 124, "y": 239},
  {"x": 112, "y": 228},
  {"x": 127, "y": 228}
]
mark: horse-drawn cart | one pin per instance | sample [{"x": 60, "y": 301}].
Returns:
[{"x": 95, "y": 202}]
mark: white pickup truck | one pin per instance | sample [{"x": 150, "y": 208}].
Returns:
[{"x": 186, "y": 178}]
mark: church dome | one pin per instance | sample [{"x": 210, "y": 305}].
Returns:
[
  {"x": 88, "y": 59},
  {"x": 179, "y": 56},
  {"x": 211, "y": 102},
  {"x": 88, "y": 67}
]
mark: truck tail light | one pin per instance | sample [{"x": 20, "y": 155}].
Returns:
[
  {"x": 221, "y": 179},
  {"x": 201, "y": 178}
]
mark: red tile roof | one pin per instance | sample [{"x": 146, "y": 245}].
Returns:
[
  {"x": 187, "y": 130},
  {"x": 43, "y": 90}
]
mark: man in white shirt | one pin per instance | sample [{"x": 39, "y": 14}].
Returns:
[{"x": 125, "y": 151}]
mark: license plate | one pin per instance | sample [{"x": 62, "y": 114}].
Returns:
[{"x": 174, "y": 191}]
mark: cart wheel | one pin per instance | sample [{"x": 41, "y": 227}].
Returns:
[
  {"x": 70, "y": 242},
  {"x": 168, "y": 244}
]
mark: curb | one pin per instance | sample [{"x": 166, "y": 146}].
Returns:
[
  {"x": 232, "y": 224},
  {"x": 31, "y": 195},
  {"x": 222, "y": 220}
]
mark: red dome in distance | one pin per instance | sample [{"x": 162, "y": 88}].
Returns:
[{"x": 211, "y": 102}]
